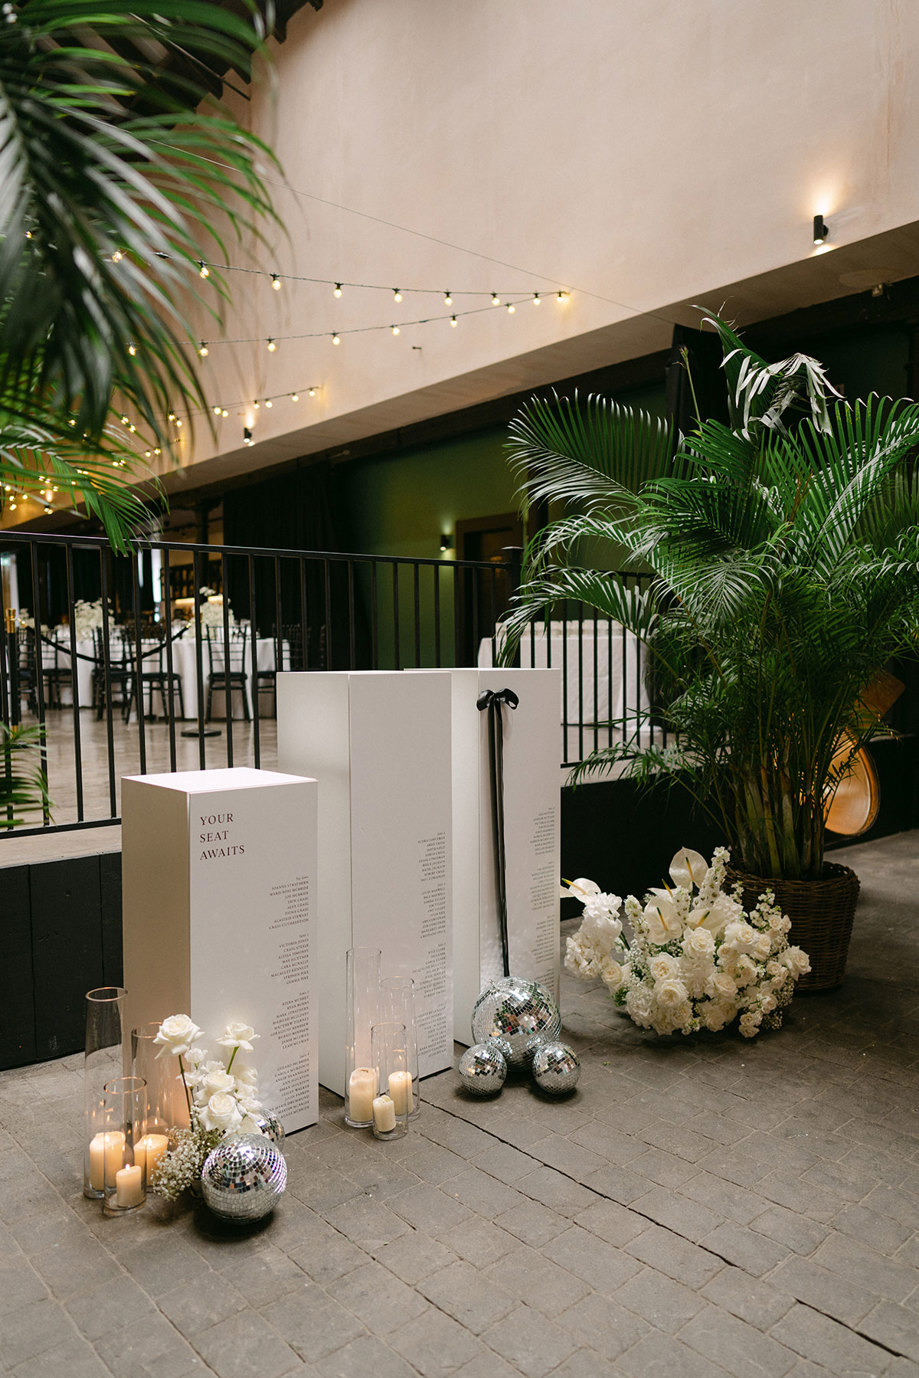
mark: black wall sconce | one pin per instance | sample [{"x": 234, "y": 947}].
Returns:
[
  {"x": 247, "y": 436},
  {"x": 446, "y": 541},
  {"x": 820, "y": 229}
]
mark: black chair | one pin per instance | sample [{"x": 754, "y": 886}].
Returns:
[
  {"x": 115, "y": 685},
  {"x": 56, "y": 670},
  {"x": 227, "y": 670},
  {"x": 149, "y": 675},
  {"x": 290, "y": 651},
  {"x": 27, "y": 666}
]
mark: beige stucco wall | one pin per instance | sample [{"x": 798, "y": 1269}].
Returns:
[{"x": 643, "y": 154}]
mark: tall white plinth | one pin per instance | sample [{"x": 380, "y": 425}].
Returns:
[
  {"x": 220, "y": 917},
  {"x": 378, "y": 742},
  {"x": 532, "y": 794}
]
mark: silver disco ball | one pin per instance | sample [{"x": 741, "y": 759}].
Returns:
[
  {"x": 269, "y": 1125},
  {"x": 555, "y": 1068},
  {"x": 515, "y": 1011},
  {"x": 243, "y": 1177},
  {"x": 482, "y": 1069}
]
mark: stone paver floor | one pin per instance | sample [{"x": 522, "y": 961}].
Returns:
[{"x": 709, "y": 1208}]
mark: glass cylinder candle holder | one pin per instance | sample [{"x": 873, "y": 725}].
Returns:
[
  {"x": 166, "y": 1104},
  {"x": 390, "y": 1062},
  {"x": 102, "y": 1060},
  {"x": 123, "y": 1167},
  {"x": 363, "y": 999},
  {"x": 397, "y": 1005}
]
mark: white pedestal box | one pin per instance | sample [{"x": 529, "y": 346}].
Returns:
[
  {"x": 219, "y": 908},
  {"x": 378, "y": 742},
  {"x": 532, "y": 796}
]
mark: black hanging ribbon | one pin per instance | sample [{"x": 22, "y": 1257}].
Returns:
[{"x": 493, "y": 700}]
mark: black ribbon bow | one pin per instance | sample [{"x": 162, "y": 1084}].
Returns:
[{"x": 493, "y": 700}]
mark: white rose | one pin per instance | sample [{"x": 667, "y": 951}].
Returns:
[
  {"x": 237, "y": 1036},
  {"x": 612, "y": 975},
  {"x": 221, "y": 1112},
  {"x": 603, "y": 928},
  {"x": 663, "y": 967},
  {"x": 218, "y": 1080},
  {"x": 762, "y": 947},
  {"x": 749, "y": 1023},
  {"x": 723, "y": 986},
  {"x": 176, "y": 1035},
  {"x": 246, "y": 1076},
  {"x": 699, "y": 942},
  {"x": 715, "y": 1014},
  {"x": 744, "y": 971},
  {"x": 670, "y": 993},
  {"x": 796, "y": 960}
]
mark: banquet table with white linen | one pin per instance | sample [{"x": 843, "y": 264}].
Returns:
[{"x": 183, "y": 664}]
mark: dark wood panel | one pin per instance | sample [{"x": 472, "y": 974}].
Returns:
[
  {"x": 110, "y": 901},
  {"x": 66, "y": 951},
  {"x": 17, "y": 1007}
]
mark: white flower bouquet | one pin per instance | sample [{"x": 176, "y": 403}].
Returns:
[
  {"x": 695, "y": 959},
  {"x": 221, "y": 1096}
]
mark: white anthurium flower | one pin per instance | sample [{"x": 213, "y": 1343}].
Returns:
[
  {"x": 580, "y": 889},
  {"x": 238, "y": 1036},
  {"x": 661, "y": 918},
  {"x": 176, "y": 1035},
  {"x": 713, "y": 917},
  {"x": 688, "y": 869}
]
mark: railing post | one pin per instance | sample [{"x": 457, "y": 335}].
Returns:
[
  {"x": 514, "y": 554},
  {"x": 13, "y": 662}
]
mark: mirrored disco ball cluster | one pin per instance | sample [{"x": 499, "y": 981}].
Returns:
[
  {"x": 243, "y": 1177},
  {"x": 517, "y": 1023}
]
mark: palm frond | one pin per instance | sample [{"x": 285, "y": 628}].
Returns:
[{"x": 23, "y": 785}]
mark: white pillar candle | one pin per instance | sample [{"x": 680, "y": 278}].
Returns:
[
  {"x": 129, "y": 1186},
  {"x": 148, "y": 1151},
  {"x": 97, "y": 1164},
  {"x": 384, "y": 1114},
  {"x": 362, "y": 1087},
  {"x": 400, "y": 1088}
]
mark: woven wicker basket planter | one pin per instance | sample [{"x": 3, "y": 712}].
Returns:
[{"x": 821, "y": 913}]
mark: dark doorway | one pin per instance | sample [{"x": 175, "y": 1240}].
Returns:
[{"x": 486, "y": 592}]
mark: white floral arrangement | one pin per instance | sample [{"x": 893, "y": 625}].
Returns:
[
  {"x": 695, "y": 959},
  {"x": 211, "y": 614},
  {"x": 87, "y": 618},
  {"x": 221, "y": 1096}
]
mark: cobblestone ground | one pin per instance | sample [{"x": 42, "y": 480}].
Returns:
[{"x": 704, "y": 1209}]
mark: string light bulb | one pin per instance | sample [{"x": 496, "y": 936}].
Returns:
[
  {"x": 203, "y": 350},
  {"x": 537, "y": 300},
  {"x": 256, "y": 405},
  {"x": 511, "y": 308},
  {"x": 396, "y": 294},
  {"x": 312, "y": 392},
  {"x": 454, "y": 321},
  {"x": 223, "y": 412},
  {"x": 216, "y": 411},
  {"x": 171, "y": 416},
  {"x": 336, "y": 339},
  {"x": 203, "y": 270},
  {"x": 268, "y": 403},
  {"x": 272, "y": 346},
  {"x": 561, "y": 296},
  {"x": 495, "y": 299},
  {"x": 117, "y": 256},
  {"x": 295, "y": 397},
  {"x": 336, "y": 290},
  {"x": 276, "y": 282},
  {"x": 394, "y": 329},
  {"x": 448, "y": 300},
  {"x": 132, "y": 350},
  {"x": 71, "y": 422}
]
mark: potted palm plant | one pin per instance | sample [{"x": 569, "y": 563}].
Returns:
[{"x": 784, "y": 553}]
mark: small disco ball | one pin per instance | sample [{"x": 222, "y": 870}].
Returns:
[
  {"x": 555, "y": 1068},
  {"x": 269, "y": 1125},
  {"x": 482, "y": 1069},
  {"x": 243, "y": 1177},
  {"x": 515, "y": 1010}
]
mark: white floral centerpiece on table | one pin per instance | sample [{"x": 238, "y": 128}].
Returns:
[
  {"x": 695, "y": 959},
  {"x": 221, "y": 1096},
  {"x": 211, "y": 613},
  {"x": 87, "y": 618}
]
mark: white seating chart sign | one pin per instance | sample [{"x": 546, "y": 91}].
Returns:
[
  {"x": 219, "y": 907},
  {"x": 378, "y": 742}
]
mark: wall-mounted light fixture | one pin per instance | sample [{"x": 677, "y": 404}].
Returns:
[
  {"x": 820, "y": 229},
  {"x": 446, "y": 541},
  {"x": 247, "y": 436}
]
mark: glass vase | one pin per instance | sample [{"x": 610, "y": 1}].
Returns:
[
  {"x": 166, "y": 1104},
  {"x": 363, "y": 996},
  {"x": 397, "y": 1005},
  {"x": 390, "y": 1062},
  {"x": 102, "y": 1061},
  {"x": 123, "y": 1160}
]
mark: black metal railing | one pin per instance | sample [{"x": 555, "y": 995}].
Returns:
[{"x": 211, "y": 657}]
